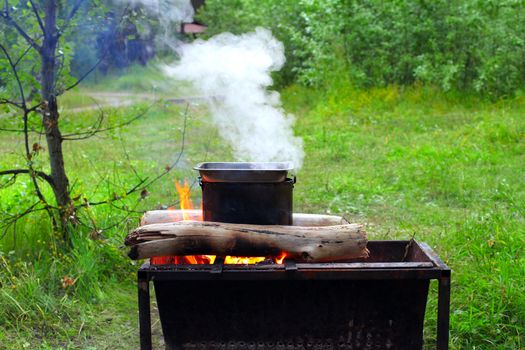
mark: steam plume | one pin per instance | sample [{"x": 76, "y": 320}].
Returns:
[{"x": 236, "y": 71}]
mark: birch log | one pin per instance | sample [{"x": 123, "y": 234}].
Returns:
[
  {"x": 313, "y": 244},
  {"x": 299, "y": 219}
]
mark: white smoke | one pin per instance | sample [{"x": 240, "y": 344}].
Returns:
[{"x": 236, "y": 71}]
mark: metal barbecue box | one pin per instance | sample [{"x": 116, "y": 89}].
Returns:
[{"x": 374, "y": 303}]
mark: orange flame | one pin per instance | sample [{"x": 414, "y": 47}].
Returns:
[
  {"x": 280, "y": 259},
  {"x": 184, "y": 198},
  {"x": 186, "y": 204},
  {"x": 243, "y": 260}
]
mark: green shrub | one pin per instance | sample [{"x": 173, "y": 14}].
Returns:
[{"x": 456, "y": 45}]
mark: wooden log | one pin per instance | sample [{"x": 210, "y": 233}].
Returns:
[
  {"x": 316, "y": 220},
  {"x": 313, "y": 244},
  {"x": 299, "y": 219}
]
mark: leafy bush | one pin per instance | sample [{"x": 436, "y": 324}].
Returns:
[{"x": 456, "y": 45}]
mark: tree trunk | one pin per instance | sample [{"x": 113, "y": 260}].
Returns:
[
  {"x": 50, "y": 116},
  {"x": 314, "y": 244}
]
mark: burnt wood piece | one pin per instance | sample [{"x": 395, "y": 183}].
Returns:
[
  {"x": 298, "y": 219},
  {"x": 314, "y": 244},
  {"x": 361, "y": 308}
]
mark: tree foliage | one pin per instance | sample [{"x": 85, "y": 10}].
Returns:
[
  {"x": 475, "y": 45},
  {"x": 40, "y": 38}
]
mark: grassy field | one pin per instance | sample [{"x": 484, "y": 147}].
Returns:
[{"x": 447, "y": 170}]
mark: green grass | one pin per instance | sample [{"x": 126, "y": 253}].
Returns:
[{"x": 448, "y": 170}]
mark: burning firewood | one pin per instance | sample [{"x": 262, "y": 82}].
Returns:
[
  {"x": 314, "y": 244},
  {"x": 299, "y": 219}
]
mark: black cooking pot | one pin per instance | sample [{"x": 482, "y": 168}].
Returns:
[{"x": 247, "y": 193}]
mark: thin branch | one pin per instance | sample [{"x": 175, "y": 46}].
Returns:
[
  {"x": 126, "y": 154},
  {"x": 13, "y": 68},
  {"x": 116, "y": 197},
  {"x": 88, "y": 72},
  {"x": 40, "y": 174},
  {"x": 94, "y": 127},
  {"x": 22, "y": 130},
  {"x": 11, "y": 181},
  {"x": 5, "y": 15},
  {"x": 70, "y": 16},
  {"x": 20, "y": 105},
  {"x": 4, "y": 101},
  {"x": 29, "y": 47},
  {"x": 87, "y": 134},
  {"x": 144, "y": 183},
  {"x": 129, "y": 213},
  {"x": 128, "y": 210},
  {"x": 104, "y": 179},
  {"x": 31, "y": 171},
  {"x": 35, "y": 10},
  {"x": 101, "y": 58},
  {"x": 14, "y": 219}
]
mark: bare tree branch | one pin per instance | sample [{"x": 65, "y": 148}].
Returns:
[
  {"x": 135, "y": 188},
  {"x": 35, "y": 108},
  {"x": 11, "y": 181},
  {"x": 40, "y": 174},
  {"x": 126, "y": 154},
  {"x": 22, "y": 130},
  {"x": 29, "y": 157},
  {"x": 31, "y": 171},
  {"x": 129, "y": 212},
  {"x": 144, "y": 183},
  {"x": 5, "y": 15},
  {"x": 17, "y": 78},
  {"x": 29, "y": 47},
  {"x": 70, "y": 16},
  {"x": 4, "y": 101},
  {"x": 35, "y": 10},
  {"x": 14, "y": 218},
  {"x": 11, "y": 130},
  {"x": 87, "y": 134},
  {"x": 92, "y": 130},
  {"x": 88, "y": 72},
  {"x": 51, "y": 33},
  {"x": 101, "y": 58}
]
